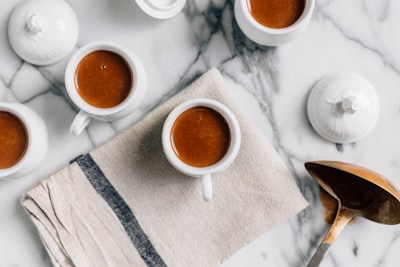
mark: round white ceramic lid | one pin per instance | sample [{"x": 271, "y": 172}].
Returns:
[
  {"x": 343, "y": 107},
  {"x": 161, "y": 9},
  {"x": 43, "y": 32}
]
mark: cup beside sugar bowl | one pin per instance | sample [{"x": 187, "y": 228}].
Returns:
[
  {"x": 105, "y": 81},
  {"x": 201, "y": 137},
  {"x": 273, "y": 22}
]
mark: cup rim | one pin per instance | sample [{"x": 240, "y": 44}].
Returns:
[
  {"x": 229, "y": 156},
  {"x": 21, "y": 116},
  {"x": 307, "y": 11},
  {"x": 129, "y": 58}
]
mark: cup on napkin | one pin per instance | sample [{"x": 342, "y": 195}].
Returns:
[{"x": 123, "y": 204}]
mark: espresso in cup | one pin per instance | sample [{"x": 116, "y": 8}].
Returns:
[
  {"x": 13, "y": 139},
  {"x": 103, "y": 79},
  {"x": 23, "y": 140},
  {"x": 200, "y": 136},
  {"x": 273, "y": 22},
  {"x": 276, "y": 13}
]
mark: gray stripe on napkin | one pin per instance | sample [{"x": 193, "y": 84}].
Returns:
[{"x": 125, "y": 215}]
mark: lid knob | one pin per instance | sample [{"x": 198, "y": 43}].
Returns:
[
  {"x": 352, "y": 104},
  {"x": 33, "y": 23}
]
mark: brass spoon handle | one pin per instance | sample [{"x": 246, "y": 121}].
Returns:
[
  {"x": 343, "y": 216},
  {"x": 319, "y": 255}
]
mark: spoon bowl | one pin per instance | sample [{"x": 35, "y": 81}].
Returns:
[{"x": 359, "y": 192}]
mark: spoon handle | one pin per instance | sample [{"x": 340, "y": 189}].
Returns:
[
  {"x": 343, "y": 216},
  {"x": 319, "y": 255}
]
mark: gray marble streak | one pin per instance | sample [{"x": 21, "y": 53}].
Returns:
[
  {"x": 262, "y": 66},
  {"x": 365, "y": 44},
  {"x": 218, "y": 20}
]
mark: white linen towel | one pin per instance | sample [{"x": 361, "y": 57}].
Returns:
[{"x": 123, "y": 204}]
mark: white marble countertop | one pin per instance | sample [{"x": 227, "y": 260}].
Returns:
[{"x": 272, "y": 84}]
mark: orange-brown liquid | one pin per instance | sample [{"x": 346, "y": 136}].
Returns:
[
  {"x": 13, "y": 140},
  {"x": 276, "y": 13},
  {"x": 103, "y": 79},
  {"x": 200, "y": 137}
]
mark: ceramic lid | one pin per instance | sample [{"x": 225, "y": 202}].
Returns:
[
  {"x": 343, "y": 107},
  {"x": 43, "y": 32},
  {"x": 161, "y": 9}
]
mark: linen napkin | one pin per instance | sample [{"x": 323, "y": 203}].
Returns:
[{"x": 123, "y": 204}]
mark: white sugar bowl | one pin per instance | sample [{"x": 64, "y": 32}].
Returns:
[
  {"x": 43, "y": 32},
  {"x": 343, "y": 107}
]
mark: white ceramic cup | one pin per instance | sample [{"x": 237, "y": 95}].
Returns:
[
  {"x": 87, "y": 111},
  {"x": 202, "y": 172},
  {"x": 263, "y": 35},
  {"x": 37, "y": 141}
]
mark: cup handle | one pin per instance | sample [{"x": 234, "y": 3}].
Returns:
[
  {"x": 207, "y": 187},
  {"x": 79, "y": 123}
]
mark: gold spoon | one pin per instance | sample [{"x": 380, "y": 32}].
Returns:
[{"x": 359, "y": 192}]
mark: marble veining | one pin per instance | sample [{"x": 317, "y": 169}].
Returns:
[{"x": 272, "y": 84}]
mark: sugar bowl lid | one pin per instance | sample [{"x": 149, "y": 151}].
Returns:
[
  {"x": 43, "y": 32},
  {"x": 343, "y": 107},
  {"x": 161, "y": 9}
]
